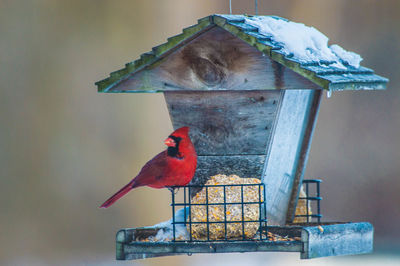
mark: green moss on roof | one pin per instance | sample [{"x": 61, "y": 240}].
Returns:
[{"x": 153, "y": 56}]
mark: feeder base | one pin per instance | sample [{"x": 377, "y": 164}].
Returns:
[{"x": 333, "y": 239}]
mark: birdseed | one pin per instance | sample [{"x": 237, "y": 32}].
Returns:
[{"x": 230, "y": 213}]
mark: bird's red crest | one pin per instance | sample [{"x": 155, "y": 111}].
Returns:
[{"x": 181, "y": 132}]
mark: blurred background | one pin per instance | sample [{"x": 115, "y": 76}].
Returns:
[{"x": 64, "y": 148}]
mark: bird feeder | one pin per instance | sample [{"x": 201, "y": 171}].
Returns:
[{"x": 251, "y": 101}]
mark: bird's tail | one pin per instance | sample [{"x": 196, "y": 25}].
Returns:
[{"x": 128, "y": 187}]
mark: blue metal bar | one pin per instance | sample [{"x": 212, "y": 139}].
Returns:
[
  {"x": 208, "y": 223},
  {"x": 190, "y": 215},
  {"x": 317, "y": 197},
  {"x": 312, "y": 181},
  {"x": 265, "y": 213},
  {"x": 173, "y": 215},
  {"x": 241, "y": 192},
  {"x": 225, "y": 224},
  {"x": 307, "y": 203},
  {"x": 217, "y": 203},
  {"x": 319, "y": 203}
]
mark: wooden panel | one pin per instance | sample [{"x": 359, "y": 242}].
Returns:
[
  {"x": 355, "y": 82},
  {"x": 337, "y": 240},
  {"x": 210, "y": 247},
  {"x": 216, "y": 60},
  {"x": 241, "y": 165},
  {"x": 130, "y": 250},
  {"x": 331, "y": 69},
  {"x": 225, "y": 122},
  {"x": 303, "y": 157},
  {"x": 284, "y": 153},
  {"x": 355, "y": 78}
]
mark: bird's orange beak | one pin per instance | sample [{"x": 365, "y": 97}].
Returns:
[{"x": 170, "y": 142}]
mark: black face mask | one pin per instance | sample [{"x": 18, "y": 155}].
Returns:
[{"x": 174, "y": 151}]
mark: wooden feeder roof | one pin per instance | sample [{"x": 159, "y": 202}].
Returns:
[{"x": 324, "y": 74}]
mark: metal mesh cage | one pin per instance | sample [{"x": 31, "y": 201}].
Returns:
[
  {"x": 218, "y": 216},
  {"x": 312, "y": 200}
]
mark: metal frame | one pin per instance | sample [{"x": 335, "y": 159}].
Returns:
[
  {"x": 187, "y": 204},
  {"x": 328, "y": 239},
  {"x": 317, "y": 197}
]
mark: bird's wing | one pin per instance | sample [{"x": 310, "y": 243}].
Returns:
[{"x": 153, "y": 171}]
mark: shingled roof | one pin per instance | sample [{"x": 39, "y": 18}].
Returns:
[{"x": 325, "y": 74}]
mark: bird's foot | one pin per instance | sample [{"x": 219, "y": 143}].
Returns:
[{"x": 173, "y": 190}]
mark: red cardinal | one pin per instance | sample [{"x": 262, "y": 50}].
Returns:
[{"x": 172, "y": 167}]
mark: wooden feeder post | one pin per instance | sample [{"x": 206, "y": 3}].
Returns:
[{"x": 251, "y": 108}]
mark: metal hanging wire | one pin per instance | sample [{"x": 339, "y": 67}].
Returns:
[{"x": 255, "y": 7}]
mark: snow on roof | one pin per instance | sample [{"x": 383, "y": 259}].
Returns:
[{"x": 304, "y": 43}]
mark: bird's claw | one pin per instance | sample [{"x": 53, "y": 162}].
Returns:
[{"x": 172, "y": 189}]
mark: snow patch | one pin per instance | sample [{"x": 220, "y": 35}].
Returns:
[
  {"x": 166, "y": 232},
  {"x": 351, "y": 58},
  {"x": 304, "y": 43}
]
